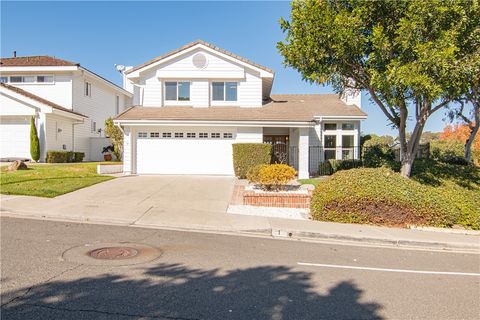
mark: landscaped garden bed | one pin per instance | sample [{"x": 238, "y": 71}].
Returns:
[
  {"x": 49, "y": 180},
  {"x": 438, "y": 194},
  {"x": 299, "y": 198}
]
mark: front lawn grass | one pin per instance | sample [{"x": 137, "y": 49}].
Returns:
[
  {"x": 49, "y": 180},
  {"x": 313, "y": 181},
  {"x": 438, "y": 194}
]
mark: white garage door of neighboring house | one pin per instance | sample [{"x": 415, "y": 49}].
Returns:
[
  {"x": 187, "y": 152},
  {"x": 15, "y": 138}
]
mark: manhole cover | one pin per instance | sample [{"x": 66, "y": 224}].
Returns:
[{"x": 113, "y": 253}]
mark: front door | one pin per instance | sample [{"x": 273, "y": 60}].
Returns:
[{"x": 279, "y": 148}]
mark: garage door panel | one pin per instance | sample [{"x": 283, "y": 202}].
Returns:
[
  {"x": 184, "y": 156},
  {"x": 15, "y": 138}
]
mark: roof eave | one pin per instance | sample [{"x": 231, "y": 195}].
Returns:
[{"x": 135, "y": 72}]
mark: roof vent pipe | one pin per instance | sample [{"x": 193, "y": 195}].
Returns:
[{"x": 14, "y": 54}]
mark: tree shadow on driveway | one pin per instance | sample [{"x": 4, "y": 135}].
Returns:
[{"x": 173, "y": 291}]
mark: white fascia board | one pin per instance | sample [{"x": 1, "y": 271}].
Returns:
[
  {"x": 68, "y": 115},
  {"x": 321, "y": 118},
  {"x": 263, "y": 73},
  {"x": 201, "y": 74},
  {"x": 283, "y": 124},
  {"x": 38, "y": 69},
  {"x": 31, "y": 102},
  {"x": 106, "y": 82},
  {"x": 43, "y": 108}
]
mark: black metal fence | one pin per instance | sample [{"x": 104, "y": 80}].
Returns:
[{"x": 325, "y": 160}]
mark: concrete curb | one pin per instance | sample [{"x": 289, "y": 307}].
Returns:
[
  {"x": 278, "y": 233},
  {"x": 272, "y": 232}
]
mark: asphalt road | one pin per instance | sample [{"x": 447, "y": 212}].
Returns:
[{"x": 45, "y": 274}]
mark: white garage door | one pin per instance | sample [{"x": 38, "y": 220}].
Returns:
[
  {"x": 185, "y": 152},
  {"x": 15, "y": 138}
]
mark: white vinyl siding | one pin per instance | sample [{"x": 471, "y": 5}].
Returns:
[
  {"x": 58, "y": 133},
  {"x": 99, "y": 107},
  {"x": 151, "y": 90},
  {"x": 59, "y": 92}
]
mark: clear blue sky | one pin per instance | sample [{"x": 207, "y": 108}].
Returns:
[{"x": 100, "y": 34}]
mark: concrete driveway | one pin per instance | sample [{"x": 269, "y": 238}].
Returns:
[{"x": 173, "y": 201}]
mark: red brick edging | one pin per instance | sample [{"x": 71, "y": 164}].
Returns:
[{"x": 277, "y": 199}]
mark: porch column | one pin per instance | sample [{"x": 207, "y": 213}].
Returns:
[
  {"x": 128, "y": 150},
  {"x": 41, "y": 129},
  {"x": 303, "y": 157}
]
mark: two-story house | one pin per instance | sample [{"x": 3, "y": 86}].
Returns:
[
  {"x": 193, "y": 103},
  {"x": 69, "y": 102}
]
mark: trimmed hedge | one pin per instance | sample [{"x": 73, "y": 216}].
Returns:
[
  {"x": 381, "y": 196},
  {"x": 377, "y": 153},
  {"x": 249, "y": 155},
  {"x": 331, "y": 166},
  {"x": 448, "y": 151},
  {"x": 64, "y": 156}
]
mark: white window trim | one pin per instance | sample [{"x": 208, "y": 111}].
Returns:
[
  {"x": 117, "y": 104},
  {"x": 189, "y": 101},
  {"x": 339, "y": 132},
  {"x": 89, "y": 85},
  {"x": 224, "y": 102},
  {"x": 35, "y": 82}
]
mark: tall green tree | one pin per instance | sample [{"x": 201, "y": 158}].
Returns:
[
  {"x": 400, "y": 52},
  {"x": 34, "y": 142},
  {"x": 116, "y": 137}
]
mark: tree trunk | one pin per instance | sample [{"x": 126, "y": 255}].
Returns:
[
  {"x": 468, "y": 145},
  {"x": 412, "y": 144}
]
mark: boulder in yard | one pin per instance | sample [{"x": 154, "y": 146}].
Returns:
[{"x": 17, "y": 165}]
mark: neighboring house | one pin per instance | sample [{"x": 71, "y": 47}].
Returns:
[
  {"x": 193, "y": 103},
  {"x": 69, "y": 103}
]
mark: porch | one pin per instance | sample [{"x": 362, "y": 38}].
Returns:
[{"x": 304, "y": 149}]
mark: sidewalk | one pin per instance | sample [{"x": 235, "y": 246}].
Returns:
[{"x": 62, "y": 208}]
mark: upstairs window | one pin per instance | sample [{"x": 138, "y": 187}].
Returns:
[
  {"x": 117, "y": 104},
  {"x": 45, "y": 79},
  {"x": 348, "y": 126},
  {"x": 27, "y": 79},
  {"x": 224, "y": 91},
  {"x": 330, "y": 126},
  {"x": 88, "y": 89},
  {"x": 177, "y": 91}
]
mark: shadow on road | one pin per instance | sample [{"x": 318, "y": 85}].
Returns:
[{"x": 173, "y": 291}]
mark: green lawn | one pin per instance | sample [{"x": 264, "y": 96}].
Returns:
[
  {"x": 437, "y": 194},
  {"x": 49, "y": 180},
  {"x": 314, "y": 181}
]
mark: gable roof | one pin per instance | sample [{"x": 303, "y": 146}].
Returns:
[
  {"x": 36, "y": 61},
  {"x": 48, "y": 61},
  {"x": 282, "y": 107},
  {"x": 194, "y": 43},
  {"x": 39, "y": 99}
]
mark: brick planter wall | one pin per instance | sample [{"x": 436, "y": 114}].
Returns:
[{"x": 277, "y": 199}]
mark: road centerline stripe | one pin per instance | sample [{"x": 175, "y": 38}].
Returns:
[{"x": 389, "y": 270}]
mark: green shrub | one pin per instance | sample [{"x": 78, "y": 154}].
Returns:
[
  {"x": 331, "y": 166},
  {"x": 381, "y": 196},
  {"x": 248, "y": 155},
  {"x": 64, "y": 156},
  {"x": 376, "y": 153},
  {"x": 78, "y": 156},
  {"x": 34, "y": 142},
  {"x": 448, "y": 151},
  {"x": 271, "y": 176}
]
